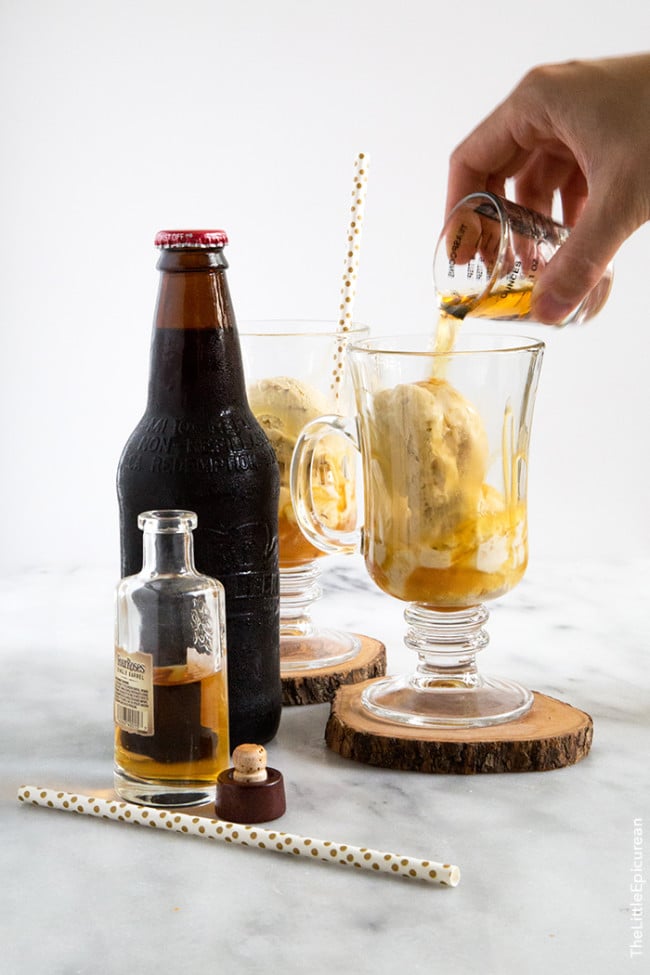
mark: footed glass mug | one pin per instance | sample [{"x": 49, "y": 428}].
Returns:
[
  {"x": 294, "y": 373},
  {"x": 444, "y": 440}
]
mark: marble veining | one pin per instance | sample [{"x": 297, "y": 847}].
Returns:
[{"x": 546, "y": 858}]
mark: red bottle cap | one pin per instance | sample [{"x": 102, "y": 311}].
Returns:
[{"x": 191, "y": 238}]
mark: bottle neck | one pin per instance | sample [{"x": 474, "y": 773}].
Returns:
[
  {"x": 168, "y": 553},
  {"x": 193, "y": 290},
  {"x": 195, "y": 355}
]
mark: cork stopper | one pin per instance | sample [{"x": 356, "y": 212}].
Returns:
[
  {"x": 250, "y": 763},
  {"x": 250, "y": 792}
]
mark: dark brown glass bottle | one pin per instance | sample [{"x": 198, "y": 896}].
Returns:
[{"x": 199, "y": 447}]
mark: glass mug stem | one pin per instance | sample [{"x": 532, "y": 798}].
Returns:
[
  {"x": 446, "y": 644},
  {"x": 299, "y": 589},
  {"x": 446, "y": 689},
  {"x": 304, "y": 645}
]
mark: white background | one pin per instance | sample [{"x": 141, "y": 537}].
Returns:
[{"x": 121, "y": 118}]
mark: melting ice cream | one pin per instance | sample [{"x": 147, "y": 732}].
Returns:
[
  {"x": 283, "y": 406},
  {"x": 437, "y": 531}
]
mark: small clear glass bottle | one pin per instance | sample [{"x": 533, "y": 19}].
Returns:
[{"x": 171, "y": 689}]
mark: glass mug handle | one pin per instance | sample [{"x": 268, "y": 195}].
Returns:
[{"x": 327, "y": 539}]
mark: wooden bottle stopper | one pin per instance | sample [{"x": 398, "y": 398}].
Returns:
[
  {"x": 250, "y": 792},
  {"x": 250, "y": 763}
]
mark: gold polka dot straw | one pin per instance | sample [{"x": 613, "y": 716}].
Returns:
[
  {"x": 275, "y": 841},
  {"x": 351, "y": 260}
]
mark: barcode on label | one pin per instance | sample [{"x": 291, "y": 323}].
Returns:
[
  {"x": 130, "y": 719},
  {"x": 134, "y": 707}
]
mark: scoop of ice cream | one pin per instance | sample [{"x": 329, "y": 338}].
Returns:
[
  {"x": 438, "y": 531},
  {"x": 283, "y": 406},
  {"x": 432, "y": 450}
]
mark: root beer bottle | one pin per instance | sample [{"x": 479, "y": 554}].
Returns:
[{"x": 199, "y": 447}]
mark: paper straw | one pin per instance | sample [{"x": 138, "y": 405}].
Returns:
[
  {"x": 351, "y": 263},
  {"x": 274, "y": 841}
]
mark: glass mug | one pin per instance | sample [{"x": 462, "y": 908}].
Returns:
[
  {"x": 489, "y": 255},
  {"x": 444, "y": 442},
  {"x": 295, "y": 372}
]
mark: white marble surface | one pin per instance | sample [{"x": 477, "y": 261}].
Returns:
[{"x": 546, "y": 858}]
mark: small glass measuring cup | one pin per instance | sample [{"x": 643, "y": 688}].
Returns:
[{"x": 489, "y": 255}]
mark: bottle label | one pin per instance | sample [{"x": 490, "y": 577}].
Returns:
[{"x": 133, "y": 701}]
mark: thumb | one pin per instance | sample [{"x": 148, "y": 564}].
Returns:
[{"x": 579, "y": 265}]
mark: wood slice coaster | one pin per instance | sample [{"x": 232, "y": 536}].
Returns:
[
  {"x": 551, "y": 735},
  {"x": 320, "y": 686}
]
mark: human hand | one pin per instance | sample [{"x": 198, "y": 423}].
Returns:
[{"x": 581, "y": 128}]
